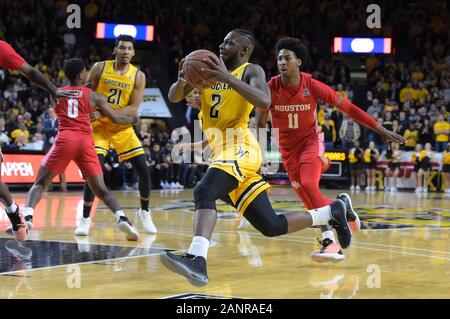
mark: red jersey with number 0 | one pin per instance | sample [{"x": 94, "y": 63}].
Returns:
[
  {"x": 73, "y": 113},
  {"x": 9, "y": 59}
]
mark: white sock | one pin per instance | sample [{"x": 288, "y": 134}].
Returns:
[
  {"x": 11, "y": 209},
  {"x": 199, "y": 247},
  {"x": 28, "y": 211},
  {"x": 320, "y": 216},
  {"x": 118, "y": 214},
  {"x": 328, "y": 234}
]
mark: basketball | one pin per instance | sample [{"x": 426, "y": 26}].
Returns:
[{"x": 193, "y": 63}]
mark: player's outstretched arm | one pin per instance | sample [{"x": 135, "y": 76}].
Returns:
[
  {"x": 96, "y": 99},
  {"x": 253, "y": 86},
  {"x": 180, "y": 89},
  {"x": 94, "y": 75},
  {"x": 328, "y": 95},
  {"x": 136, "y": 96},
  {"x": 40, "y": 80}
]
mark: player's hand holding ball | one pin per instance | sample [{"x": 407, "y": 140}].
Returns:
[{"x": 200, "y": 69}]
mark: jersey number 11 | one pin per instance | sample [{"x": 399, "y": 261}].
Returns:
[{"x": 293, "y": 120}]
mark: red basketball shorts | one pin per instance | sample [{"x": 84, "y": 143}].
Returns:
[{"x": 73, "y": 146}]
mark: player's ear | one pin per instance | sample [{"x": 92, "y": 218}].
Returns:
[
  {"x": 115, "y": 51},
  {"x": 299, "y": 61},
  {"x": 244, "y": 51}
]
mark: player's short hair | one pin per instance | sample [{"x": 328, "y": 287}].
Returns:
[
  {"x": 248, "y": 35},
  {"x": 73, "y": 67},
  {"x": 295, "y": 45},
  {"x": 125, "y": 38}
]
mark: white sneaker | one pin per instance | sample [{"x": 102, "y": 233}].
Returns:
[
  {"x": 178, "y": 185},
  {"x": 387, "y": 189},
  {"x": 244, "y": 223},
  {"x": 352, "y": 187},
  {"x": 83, "y": 227},
  {"x": 373, "y": 188},
  {"x": 125, "y": 226},
  {"x": 447, "y": 191},
  {"x": 84, "y": 246},
  {"x": 394, "y": 189},
  {"x": 419, "y": 190},
  {"x": 147, "y": 222},
  {"x": 357, "y": 188},
  {"x": 425, "y": 190}
]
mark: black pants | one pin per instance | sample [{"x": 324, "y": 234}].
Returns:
[{"x": 218, "y": 184}]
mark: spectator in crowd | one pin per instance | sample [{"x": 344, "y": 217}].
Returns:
[
  {"x": 446, "y": 168},
  {"x": 349, "y": 132},
  {"x": 355, "y": 158},
  {"x": 371, "y": 155},
  {"x": 4, "y": 138},
  {"x": 329, "y": 132},
  {"x": 441, "y": 133},
  {"x": 415, "y": 159},
  {"x": 393, "y": 170},
  {"x": 411, "y": 135},
  {"x": 21, "y": 130},
  {"x": 426, "y": 156},
  {"x": 375, "y": 107},
  {"x": 51, "y": 126},
  {"x": 426, "y": 132}
]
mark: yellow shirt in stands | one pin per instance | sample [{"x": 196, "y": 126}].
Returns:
[
  {"x": 17, "y": 132},
  {"x": 441, "y": 126}
]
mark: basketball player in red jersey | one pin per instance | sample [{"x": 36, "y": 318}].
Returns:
[
  {"x": 74, "y": 142},
  {"x": 293, "y": 108},
  {"x": 9, "y": 59}
]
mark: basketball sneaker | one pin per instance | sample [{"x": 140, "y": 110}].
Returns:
[
  {"x": 19, "y": 227},
  {"x": 125, "y": 226},
  {"x": 146, "y": 221},
  {"x": 352, "y": 217},
  {"x": 83, "y": 227},
  {"x": 329, "y": 251},
  {"x": 339, "y": 222},
  {"x": 17, "y": 250},
  {"x": 190, "y": 266}
]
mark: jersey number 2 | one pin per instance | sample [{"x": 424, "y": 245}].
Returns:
[
  {"x": 72, "y": 108},
  {"x": 293, "y": 120},
  {"x": 216, "y": 100}
]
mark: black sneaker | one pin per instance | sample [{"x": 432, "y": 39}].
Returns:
[
  {"x": 339, "y": 222},
  {"x": 190, "y": 266},
  {"x": 352, "y": 217}
]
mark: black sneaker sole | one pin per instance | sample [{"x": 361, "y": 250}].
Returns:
[
  {"x": 193, "y": 278},
  {"x": 343, "y": 230}
]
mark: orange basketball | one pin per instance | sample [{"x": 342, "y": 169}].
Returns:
[{"x": 193, "y": 63}]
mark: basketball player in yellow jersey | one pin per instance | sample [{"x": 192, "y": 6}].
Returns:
[
  {"x": 123, "y": 85},
  {"x": 226, "y": 104}
]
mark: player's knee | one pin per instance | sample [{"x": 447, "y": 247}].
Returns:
[
  {"x": 278, "y": 227},
  {"x": 204, "y": 197}
]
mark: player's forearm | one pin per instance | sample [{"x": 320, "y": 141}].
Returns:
[
  {"x": 257, "y": 97},
  {"x": 357, "y": 114},
  {"x": 176, "y": 93},
  {"x": 261, "y": 118},
  {"x": 40, "y": 80},
  {"x": 130, "y": 110}
]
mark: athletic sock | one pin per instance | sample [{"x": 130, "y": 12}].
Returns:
[
  {"x": 199, "y": 247},
  {"x": 12, "y": 208},
  {"x": 28, "y": 211},
  {"x": 118, "y": 214},
  {"x": 144, "y": 204},
  {"x": 320, "y": 216},
  {"x": 87, "y": 211},
  {"x": 328, "y": 234}
]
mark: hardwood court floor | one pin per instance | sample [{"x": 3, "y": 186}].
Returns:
[{"x": 405, "y": 252}]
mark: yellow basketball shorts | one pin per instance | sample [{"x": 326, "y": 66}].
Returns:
[
  {"x": 244, "y": 164},
  {"x": 125, "y": 142}
]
